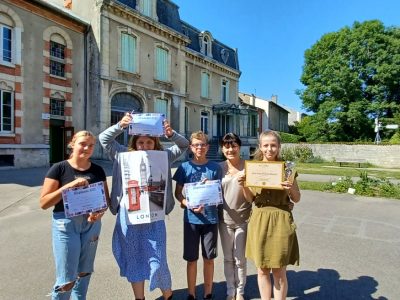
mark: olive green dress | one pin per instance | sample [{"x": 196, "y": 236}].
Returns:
[{"x": 271, "y": 236}]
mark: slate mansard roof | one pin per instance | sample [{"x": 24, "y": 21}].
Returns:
[{"x": 168, "y": 15}]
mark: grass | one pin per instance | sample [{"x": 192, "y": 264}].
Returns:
[
  {"x": 312, "y": 185},
  {"x": 372, "y": 181},
  {"x": 327, "y": 168}
]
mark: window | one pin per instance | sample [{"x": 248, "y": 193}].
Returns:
[
  {"x": 57, "y": 107},
  {"x": 161, "y": 107},
  {"x": 206, "y": 45},
  {"x": 162, "y": 64},
  {"x": 128, "y": 52},
  {"x": 57, "y": 59},
  {"x": 147, "y": 7},
  {"x": 204, "y": 122},
  {"x": 6, "y": 112},
  {"x": 205, "y": 40},
  {"x": 205, "y": 85},
  {"x": 186, "y": 120},
  {"x": 252, "y": 125},
  {"x": 6, "y": 41},
  {"x": 225, "y": 90}
]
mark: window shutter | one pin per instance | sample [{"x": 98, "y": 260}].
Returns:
[
  {"x": 161, "y": 107},
  {"x": 161, "y": 64},
  {"x": 128, "y": 52},
  {"x": 205, "y": 84}
]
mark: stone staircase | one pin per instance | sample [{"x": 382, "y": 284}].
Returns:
[{"x": 212, "y": 153}]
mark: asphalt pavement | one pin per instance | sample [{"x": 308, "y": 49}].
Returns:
[{"x": 349, "y": 248}]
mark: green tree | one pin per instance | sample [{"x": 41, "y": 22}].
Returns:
[{"x": 351, "y": 77}]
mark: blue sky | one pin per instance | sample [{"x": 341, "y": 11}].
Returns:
[{"x": 271, "y": 36}]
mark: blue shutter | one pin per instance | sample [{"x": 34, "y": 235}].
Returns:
[
  {"x": 162, "y": 69},
  {"x": 161, "y": 107},
  {"x": 128, "y": 52},
  {"x": 205, "y": 78},
  {"x": 147, "y": 7}
]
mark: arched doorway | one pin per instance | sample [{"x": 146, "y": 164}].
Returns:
[{"x": 120, "y": 104}]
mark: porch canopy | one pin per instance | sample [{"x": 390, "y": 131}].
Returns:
[{"x": 232, "y": 109}]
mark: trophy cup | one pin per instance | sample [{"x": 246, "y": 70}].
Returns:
[{"x": 290, "y": 171}]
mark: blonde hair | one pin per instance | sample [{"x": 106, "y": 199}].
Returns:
[
  {"x": 259, "y": 155},
  {"x": 78, "y": 135},
  {"x": 134, "y": 138},
  {"x": 198, "y": 135}
]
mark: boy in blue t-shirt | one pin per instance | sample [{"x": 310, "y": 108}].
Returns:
[{"x": 200, "y": 224}]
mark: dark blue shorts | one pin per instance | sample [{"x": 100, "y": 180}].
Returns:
[{"x": 193, "y": 234}]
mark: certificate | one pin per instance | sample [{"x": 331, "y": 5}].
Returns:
[
  {"x": 84, "y": 200},
  {"x": 150, "y": 124},
  {"x": 264, "y": 174},
  {"x": 203, "y": 193}
]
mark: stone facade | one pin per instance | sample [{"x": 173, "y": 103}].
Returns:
[
  {"x": 386, "y": 156},
  {"x": 200, "y": 71}
]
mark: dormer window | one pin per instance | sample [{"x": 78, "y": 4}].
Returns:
[
  {"x": 148, "y": 8},
  {"x": 206, "y": 45},
  {"x": 206, "y": 39}
]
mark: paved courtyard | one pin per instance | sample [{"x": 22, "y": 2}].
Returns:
[{"x": 349, "y": 248}]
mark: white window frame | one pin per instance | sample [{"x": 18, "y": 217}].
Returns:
[
  {"x": 61, "y": 103},
  {"x": 1, "y": 111},
  {"x": 13, "y": 43},
  {"x": 147, "y": 8},
  {"x": 205, "y": 91},
  {"x": 166, "y": 76},
  {"x": 225, "y": 90},
  {"x": 204, "y": 126},
  {"x": 206, "y": 41},
  {"x": 56, "y": 59}
]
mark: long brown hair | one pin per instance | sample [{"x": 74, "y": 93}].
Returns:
[
  {"x": 134, "y": 138},
  {"x": 259, "y": 155}
]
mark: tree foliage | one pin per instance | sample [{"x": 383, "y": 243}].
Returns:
[{"x": 351, "y": 77}]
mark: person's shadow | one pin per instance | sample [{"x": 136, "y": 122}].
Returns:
[{"x": 303, "y": 285}]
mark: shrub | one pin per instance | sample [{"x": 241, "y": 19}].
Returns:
[
  {"x": 342, "y": 185},
  {"x": 290, "y": 138},
  {"x": 299, "y": 153},
  {"x": 395, "y": 139}
]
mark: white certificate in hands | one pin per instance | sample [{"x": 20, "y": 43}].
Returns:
[
  {"x": 150, "y": 124},
  {"x": 84, "y": 200},
  {"x": 203, "y": 193}
]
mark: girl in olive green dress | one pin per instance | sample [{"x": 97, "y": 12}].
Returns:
[{"x": 271, "y": 237}]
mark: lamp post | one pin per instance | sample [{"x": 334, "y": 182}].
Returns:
[{"x": 378, "y": 126}]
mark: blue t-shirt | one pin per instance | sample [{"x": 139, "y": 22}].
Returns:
[{"x": 190, "y": 172}]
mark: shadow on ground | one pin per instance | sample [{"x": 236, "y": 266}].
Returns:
[
  {"x": 34, "y": 176},
  {"x": 303, "y": 285}
]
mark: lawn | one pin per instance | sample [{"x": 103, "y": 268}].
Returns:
[{"x": 327, "y": 168}]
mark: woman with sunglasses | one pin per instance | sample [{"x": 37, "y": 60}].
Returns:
[{"x": 233, "y": 218}]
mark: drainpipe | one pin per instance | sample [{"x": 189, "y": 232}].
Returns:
[{"x": 85, "y": 76}]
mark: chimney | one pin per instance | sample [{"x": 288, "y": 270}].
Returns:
[
  {"x": 68, "y": 4},
  {"x": 253, "y": 100},
  {"x": 274, "y": 98}
]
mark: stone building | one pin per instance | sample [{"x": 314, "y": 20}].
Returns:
[
  {"x": 142, "y": 57},
  {"x": 42, "y": 76},
  {"x": 273, "y": 116}
]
